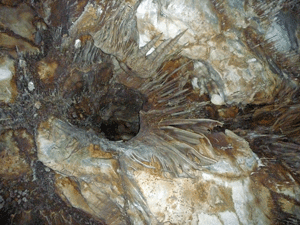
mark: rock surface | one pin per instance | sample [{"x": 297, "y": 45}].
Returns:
[
  {"x": 212, "y": 196},
  {"x": 217, "y": 44},
  {"x": 7, "y": 86},
  {"x": 110, "y": 110}
]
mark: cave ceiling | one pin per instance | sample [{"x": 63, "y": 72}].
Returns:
[{"x": 149, "y": 112}]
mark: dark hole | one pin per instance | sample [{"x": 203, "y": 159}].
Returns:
[
  {"x": 119, "y": 130},
  {"x": 114, "y": 114}
]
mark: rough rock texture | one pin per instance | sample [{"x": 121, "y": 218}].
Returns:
[
  {"x": 7, "y": 86},
  {"x": 223, "y": 193},
  {"x": 217, "y": 38},
  {"x": 97, "y": 188},
  {"x": 149, "y": 112}
]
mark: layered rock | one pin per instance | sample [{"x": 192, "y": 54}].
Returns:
[{"x": 117, "y": 106}]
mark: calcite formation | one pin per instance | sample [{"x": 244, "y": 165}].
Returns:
[
  {"x": 223, "y": 193},
  {"x": 7, "y": 71},
  {"x": 218, "y": 43},
  {"x": 149, "y": 112}
]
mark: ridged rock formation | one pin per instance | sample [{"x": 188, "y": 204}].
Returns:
[{"x": 149, "y": 112}]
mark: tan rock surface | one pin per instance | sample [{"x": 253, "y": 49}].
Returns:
[
  {"x": 7, "y": 85},
  {"x": 222, "y": 193},
  {"x": 110, "y": 110}
]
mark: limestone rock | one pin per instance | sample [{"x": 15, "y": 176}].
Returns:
[
  {"x": 212, "y": 37},
  {"x": 118, "y": 105},
  {"x": 222, "y": 193},
  {"x": 7, "y": 84},
  {"x": 15, "y": 146},
  {"x": 101, "y": 193}
]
